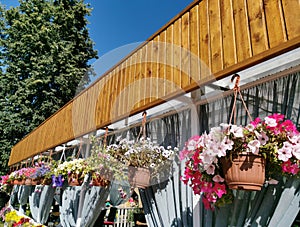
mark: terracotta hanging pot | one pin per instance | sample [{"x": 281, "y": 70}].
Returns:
[
  {"x": 27, "y": 181},
  {"x": 35, "y": 181},
  {"x": 139, "y": 177},
  {"x": 73, "y": 180},
  {"x": 45, "y": 181},
  {"x": 19, "y": 182},
  {"x": 244, "y": 171},
  {"x": 101, "y": 180}
]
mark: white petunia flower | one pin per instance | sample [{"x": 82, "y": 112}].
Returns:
[
  {"x": 296, "y": 151},
  {"x": 270, "y": 122},
  {"x": 285, "y": 152},
  {"x": 237, "y": 131}
]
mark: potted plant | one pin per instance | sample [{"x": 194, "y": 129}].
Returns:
[
  {"x": 209, "y": 157},
  {"x": 143, "y": 158},
  {"x": 20, "y": 176},
  {"x": 104, "y": 167},
  {"x": 5, "y": 190},
  {"x": 12, "y": 217},
  {"x": 41, "y": 174},
  {"x": 74, "y": 171}
]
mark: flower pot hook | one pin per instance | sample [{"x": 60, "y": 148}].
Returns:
[
  {"x": 236, "y": 90},
  {"x": 143, "y": 127}
]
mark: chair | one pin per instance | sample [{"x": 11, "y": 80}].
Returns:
[
  {"x": 100, "y": 219},
  {"x": 110, "y": 221},
  {"x": 139, "y": 220}
]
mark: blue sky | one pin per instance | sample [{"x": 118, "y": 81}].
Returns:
[{"x": 118, "y": 26}]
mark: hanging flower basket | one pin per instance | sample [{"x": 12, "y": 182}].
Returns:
[
  {"x": 243, "y": 155},
  {"x": 73, "y": 171},
  {"x": 101, "y": 180},
  {"x": 74, "y": 180},
  {"x": 245, "y": 171},
  {"x": 19, "y": 182},
  {"x": 275, "y": 139},
  {"x": 35, "y": 181},
  {"x": 27, "y": 181},
  {"x": 142, "y": 156},
  {"x": 46, "y": 181},
  {"x": 139, "y": 177}
]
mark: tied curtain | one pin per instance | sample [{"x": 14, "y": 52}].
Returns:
[
  {"x": 171, "y": 203},
  {"x": 40, "y": 202},
  {"x": 81, "y": 205}
]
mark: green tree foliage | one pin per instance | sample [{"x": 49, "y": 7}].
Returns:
[{"x": 45, "y": 49}]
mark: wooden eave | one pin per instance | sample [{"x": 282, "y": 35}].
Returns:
[{"x": 207, "y": 41}]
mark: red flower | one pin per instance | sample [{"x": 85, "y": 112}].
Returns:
[
  {"x": 277, "y": 117},
  {"x": 290, "y": 167},
  {"x": 219, "y": 189},
  {"x": 207, "y": 203}
]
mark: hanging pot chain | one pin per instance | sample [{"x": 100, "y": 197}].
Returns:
[{"x": 236, "y": 91}]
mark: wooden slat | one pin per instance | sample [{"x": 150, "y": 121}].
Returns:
[
  {"x": 110, "y": 97},
  {"x": 149, "y": 72},
  {"x": 52, "y": 127},
  {"x": 215, "y": 36},
  {"x": 161, "y": 67},
  {"x": 132, "y": 87},
  {"x": 194, "y": 46},
  {"x": 139, "y": 75},
  {"x": 226, "y": 36},
  {"x": 100, "y": 102},
  {"x": 123, "y": 87},
  {"x": 292, "y": 19},
  {"x": 135, "y": 78},
  {"x": 143, "y": 72},
  {"x": 256, "y": 15},
  {"x": 177, "y": 52},
  {"x": 116, "y": 91},
  {"x": 169, "y": 61},
  {"x": 90, "y": 102},
  {"x": 120, "y": 91},
  {"x": 68, "y": 122},
  {"x": 229, "y": 45},
  {"x": 275, "y": 22},
  {"x": 185, "y": 53},
  {"x": 204, "y": 42},
  {"x": 242, "y": 33},
  {"x": 93, "y": 96},
  {"x": 77, "y": 123}
]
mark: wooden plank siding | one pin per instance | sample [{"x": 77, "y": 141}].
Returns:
[{"x": 209, "y": 40}]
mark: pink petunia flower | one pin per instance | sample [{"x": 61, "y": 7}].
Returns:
[
  {"x": 210, "y": 169},
  {"x": 262, "y": 137},
  {"x": 218, "y": 178},
  {"x": 254, "y": 146}
]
